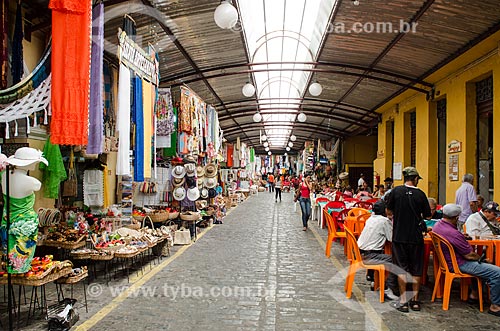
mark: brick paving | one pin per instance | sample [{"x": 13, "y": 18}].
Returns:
[{"x": 260, "y": 271}]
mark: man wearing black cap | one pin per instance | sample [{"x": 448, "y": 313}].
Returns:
[
  {"x": 371, "y": 242},
  {"x": 409, "y": 207},
  {"x": 468, "y": 261},
  {"x": 483, "y": 223}
]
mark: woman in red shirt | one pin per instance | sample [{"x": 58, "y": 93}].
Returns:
[{"x": 305, "y": 200}]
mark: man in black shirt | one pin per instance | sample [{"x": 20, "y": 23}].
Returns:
[{"x": 409, "y": 206}]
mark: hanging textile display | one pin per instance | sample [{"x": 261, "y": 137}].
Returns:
[
  {"x": 165, "y": 120},
  {"x": 123, "y": 122},
  {"x": 171, "y": 147},
  {"x": 148, "y": 102},
  {"x": 96, "y": 111},
  {"x": 54, "y": 173},
  {"x": 138, "y": 119},
  {"x": 185, "y": 114},
  {"x": 93, "y": 188},
  {"x": 4, "y": 40},
  {"x": 17, "y": 48},
  {"x": 71, "y": 31}
]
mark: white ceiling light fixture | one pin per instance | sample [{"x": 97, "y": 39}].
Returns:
[
  {"x": 288, "y": 149},
  {"x": 248, "y": 90},
  {"x": 266, "y": 144},
  {"x": 355, "y": 2},
  {"x": 257, "y": 117},
  {"x": 267, "y": 149},
  {"x": 293, "y": 137},
  {"x": 290, "y": 144},
  {"x": 264, "y": 137},
  {"x": 269, "y": 153},
  {"x": 302, "y": 117},
  {"x": 226, "y": 16},
  {"x": 315, "y": 89},
  {"x": 286, "y": 154}
]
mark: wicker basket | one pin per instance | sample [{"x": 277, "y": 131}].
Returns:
[
  {"x": 190, "y": 216},
  {"x": 73, "y": 279},
  {"x": 66, "y": 244},
  {"x": 138, "y": 218},
  {"x": 98, "y": 257},
  {"x": 31, "y": 281},
  {"x": 159, "y": 216},
  {"x": 127, "y": 255}
]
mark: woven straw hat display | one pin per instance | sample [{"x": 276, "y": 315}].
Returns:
[
  {"x": 179, "y": 193},
  {"x": 178, "y": 181},
  {"x": 200, "y": 171},
  {"x": 178, "y": 171},
  {"x": 210, "y": 170},
  {"x": 204, "y": 193},
  {"x": 210, "y": 182},
  {"x": 193, "y": 194},
  {"x": 190, "y": 169}
]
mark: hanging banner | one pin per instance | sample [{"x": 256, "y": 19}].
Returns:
[{"x": 134, "y": 57}]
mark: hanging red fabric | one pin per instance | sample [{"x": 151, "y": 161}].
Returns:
[{"x": 71, "y": 35}]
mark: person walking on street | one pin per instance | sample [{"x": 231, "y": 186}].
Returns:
[
  {"x": 277, "y": 187},
  {"x": 408, "y": 205},
  {"x": 466, "y": 198},
  {"x": 304, "y": 199},
  {"x": 270, "y": 181}
]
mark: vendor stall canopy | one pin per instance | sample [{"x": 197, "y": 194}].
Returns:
[{"x": 361, "y": 53}]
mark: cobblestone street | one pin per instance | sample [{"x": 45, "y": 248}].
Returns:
[{"x": 259, "y": 271}]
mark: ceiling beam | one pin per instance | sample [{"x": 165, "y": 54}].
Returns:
[{"x": 314, "y": 128}]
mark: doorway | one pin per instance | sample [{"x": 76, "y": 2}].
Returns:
[
  {"x": 442, "y": 149},
  {"x": 484, "y": 105}
]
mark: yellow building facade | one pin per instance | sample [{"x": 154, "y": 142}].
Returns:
[{"x": 442, "y": 165}]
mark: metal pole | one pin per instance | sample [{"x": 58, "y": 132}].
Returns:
[{"x": 9, "y": 277}]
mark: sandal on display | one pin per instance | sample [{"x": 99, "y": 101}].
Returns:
[
  {"x": 402, "y": 307},
  {"x": 415, "y": 305}
]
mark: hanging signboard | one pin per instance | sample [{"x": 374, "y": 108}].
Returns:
[
  {"x": 134, "y": 57},
  {"x": 454, "y": 146},
  {"x": 453, "y": 167},
  {"x": 397, "y": 170}
]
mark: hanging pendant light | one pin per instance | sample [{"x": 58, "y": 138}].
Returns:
[
  {"x": 293, "y": 138},
  {"x": 302, "y": 117},
  {"x": 286, "y": 154},
  {"x": 226, "y": 16},
  {"x": 264, "y": 137},
  {"x": 290, "y": 144},
  {"x": 257, "y": 117},
  {"x": 267, "y": 149},
  {"x": 288, "y": 149},
  {"x": 266, "y": 144},
  {"x": 269, "y": 153},
  {"x": 315, "y": 89},
  {"x": 248, "y": 90}
]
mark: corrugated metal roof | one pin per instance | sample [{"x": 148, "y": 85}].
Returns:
[{"x": 352, "y": 86}]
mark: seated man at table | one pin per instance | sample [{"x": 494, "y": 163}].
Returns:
[
  {"x": 468, "y": 261},
  {"x": 483, "y": 223},
  {"x": 371, "y": 242},
  {"x": 436, "y": 214}
]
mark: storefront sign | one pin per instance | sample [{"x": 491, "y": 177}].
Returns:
[
  {"x": 454, "y": 146},
  {"x": 397, "y": 170},
  {"x": 134, "y": 57},
  {"x": 453, "y": 167}
]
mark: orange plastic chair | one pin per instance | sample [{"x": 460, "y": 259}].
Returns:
[
  {"x": 439, "y": 243},
  {"x": 353, "y": 214},
  {"x": 356, "y": 225},
  {"x": 357, "y": 263},
  {"x": 333, "y": 232}
]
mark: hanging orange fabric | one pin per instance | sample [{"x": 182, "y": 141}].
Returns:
[{"x": 71, "y": 34}]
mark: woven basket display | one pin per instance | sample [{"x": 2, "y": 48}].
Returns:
[
  {"x": 173, "y": 216},
  {"x": 159, "y": 216},
  {"x": 190, "y": 216}
]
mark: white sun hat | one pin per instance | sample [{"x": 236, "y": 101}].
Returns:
[
  {"x": 178, "y": 171},
  {"x": 25, "y": 156},
  {"x": 210, "y": 182},
  {"x": 193, "y": 194},
  {"x": 179, "y": 193}
]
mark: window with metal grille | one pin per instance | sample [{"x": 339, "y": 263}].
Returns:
[{"x": 413, "y": 138}]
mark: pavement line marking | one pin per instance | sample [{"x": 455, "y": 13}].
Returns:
[
  {"x": 108, "y": 308},
  {"x": 370, "y": 312}
]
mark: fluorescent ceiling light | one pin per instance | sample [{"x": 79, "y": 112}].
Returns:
[{"x": 283, "y": 31}]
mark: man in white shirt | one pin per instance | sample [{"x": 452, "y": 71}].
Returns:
[
  {"x": 371, "y": 242},
  {"x": 466, "y": 198},
  {"x": 361, "y": 180},
  {"x": 477, "y": 223}
]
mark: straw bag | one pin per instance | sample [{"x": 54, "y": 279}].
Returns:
[
  {"x": 182, "y": 237},
  {"x": 70, "y": 186}
]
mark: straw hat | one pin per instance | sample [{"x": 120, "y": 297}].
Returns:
[
  {"x": 200, "y": 181},
  {"x": 204, "y": 193},
  {"x": 193, "y": 193},
  {"x": 178, "y": 181},
  {"x": 25, "y": 156},
  {"x": 190, "y": 169},
  {"x": 179, "y": 171},
  {"x": 200, "y": 171},
  {"x": 179, "y": 193},
  {"x": 201, "y": 204},
  {"x": 343, "y": 175},
  {"x": 189, "y": 159},
  {"x": 210, "y": 182},
  {"x": 210, "y": 170}
]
